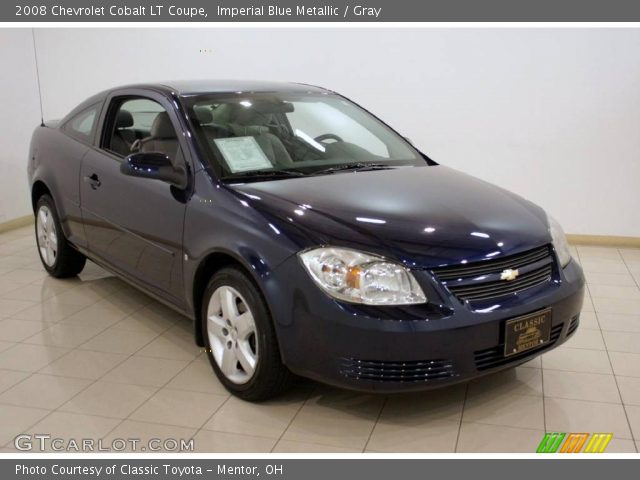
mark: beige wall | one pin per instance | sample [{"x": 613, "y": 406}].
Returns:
[
  {"x": 20, "y": 114},
  {"x": 552, "y": 114}
]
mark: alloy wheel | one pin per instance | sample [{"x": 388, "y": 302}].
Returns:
[
  {"x": 232, "y": 334},
  {"x": 47, "y": 236}
]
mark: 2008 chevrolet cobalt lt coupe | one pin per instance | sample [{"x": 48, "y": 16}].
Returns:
[{"x": 303, "y": 236}]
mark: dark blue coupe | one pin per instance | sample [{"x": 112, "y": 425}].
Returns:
[{"x": 302, "y": 235}]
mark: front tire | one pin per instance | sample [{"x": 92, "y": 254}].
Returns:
[
  {"x": 58, "y": 257},
  {"x": 240, "y": 339}
]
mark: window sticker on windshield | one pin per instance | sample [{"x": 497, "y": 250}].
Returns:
[{"x": 242, "y": 154}]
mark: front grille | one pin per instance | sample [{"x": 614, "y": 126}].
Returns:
[
  {"x": 494, "y": 356},
  {"x": 481, "y": 281},
  {"x": 485, "y": 291},
  {"x": 404, "y": 372}
]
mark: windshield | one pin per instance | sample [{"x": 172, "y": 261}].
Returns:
[{"x": 279, "y": 135}]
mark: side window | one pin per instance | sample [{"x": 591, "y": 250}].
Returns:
[
  {"x": 82, "y": 124},
  {"x": 140, "y": 125}
]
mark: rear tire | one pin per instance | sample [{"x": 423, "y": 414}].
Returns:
[
  {"x": 240, "y": 339},
  {"x": 58, "y": 257}
]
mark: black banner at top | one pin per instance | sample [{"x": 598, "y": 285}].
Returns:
[{"x": 320, "y": 11}]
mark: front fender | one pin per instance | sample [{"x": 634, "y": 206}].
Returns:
[{"x": 218, "y": 222}]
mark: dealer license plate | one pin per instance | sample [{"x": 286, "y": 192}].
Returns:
[{"x": 527, "y": 332}]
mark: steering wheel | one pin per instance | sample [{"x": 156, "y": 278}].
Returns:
[{"x": 328, "y": 136}]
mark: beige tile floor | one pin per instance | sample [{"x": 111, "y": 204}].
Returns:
[{"x": 94, "y": 358}]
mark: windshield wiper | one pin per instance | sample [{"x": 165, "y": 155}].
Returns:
[
  {"x": 267, "y": 174},
  {"x": 358, "y": 167}
]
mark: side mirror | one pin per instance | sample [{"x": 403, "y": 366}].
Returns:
[{"x": 153, "y": 165}]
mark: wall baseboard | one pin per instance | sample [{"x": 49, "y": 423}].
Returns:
[
  {"x": 16, "y": 223},
  {"x": 603, "y": 240}
]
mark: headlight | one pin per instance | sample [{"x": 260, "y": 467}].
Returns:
[
  {"x": 361, "y": 278},
  {"x": 559, "y": 241}
]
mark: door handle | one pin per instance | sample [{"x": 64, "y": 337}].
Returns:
[{"x": 93, "y": 181}]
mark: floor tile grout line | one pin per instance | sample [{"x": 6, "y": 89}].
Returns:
[
  {"x": 458, "y": 432},
  {"x": 605, "y": 330},
  {"x": 128, "y": 417},
  {"x": 464, "y": 405},
  {"x": 91, "y": 384},
  {"x": 313, "y": 442},
  {"x": 45, "y": 276},
  {"x": 79, "y": 346},
  {"x": 28, "y": 374},
  {"x": 32, "y": 373},
  {"x": 164, "y": 358},
  {"x": 615, "y": 379},
  {"x": 277, "y": 440},
  {"x": 165, "y": 386},
  {"x": 228, "y": 399},
  {"x": 624, "y": 406},
  {"x": 569, "y": 347},
  {"x": 312, "y": 391},
  {"x": 544, "y": 400},
  {"x": 71, "y": 348},
  {"x": 637, "y": 282},
  {"x": 375, "y": 424},
  {"x": 11, "y": 443},
  {"x": 120, "y": 421},
  {"x": 83, "y": 308},
  {"x": 588, "y": 291},
  {"x": 199, "y": 429},
  {"x": 531, "y": 429},
  {"x": 247, "y": 435},
  {"x": 76, "y": 347}
]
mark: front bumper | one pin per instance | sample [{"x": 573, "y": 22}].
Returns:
[{"x": 408, "y": 348}]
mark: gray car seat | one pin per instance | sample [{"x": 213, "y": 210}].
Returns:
[
  {"x": 246, "y": 121},
  {"x": 204, "y": 114},
  {"x": 123, "y": 138},
  {"x": 162, "y": 138},
  {"x": 211, "y": 129}
]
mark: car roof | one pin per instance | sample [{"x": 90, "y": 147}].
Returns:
[{"x": 195, "y": 87}]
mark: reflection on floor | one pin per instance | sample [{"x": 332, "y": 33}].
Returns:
[{"x": 94, "y": 358}]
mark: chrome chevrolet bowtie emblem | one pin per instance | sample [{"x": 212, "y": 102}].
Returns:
[{"x": 509, "y": 274}]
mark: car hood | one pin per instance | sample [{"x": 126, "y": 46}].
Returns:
[{"x": 423, "y": 216}]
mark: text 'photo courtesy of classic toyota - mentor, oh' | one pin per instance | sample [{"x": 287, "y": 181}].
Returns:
[{"x": 302, "y": 235}]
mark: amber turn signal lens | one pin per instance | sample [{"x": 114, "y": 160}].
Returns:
[{"x": 353, "y": 276}]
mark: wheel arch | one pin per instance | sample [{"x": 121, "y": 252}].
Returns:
[
  {"x": 38, "y": 189},
  {"x": 207, "y": 267}
]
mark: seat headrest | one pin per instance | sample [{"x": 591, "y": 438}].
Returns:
[
  {"x": 249, "y": 116},
  {"x": 222, "y": 114},
  {"x": 124, "y": 119},
  {"x": 203, "y": 114},
  {"x": 162, "y": 127}
]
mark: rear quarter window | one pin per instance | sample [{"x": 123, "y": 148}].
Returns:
[{"x": 82, "y": 125}]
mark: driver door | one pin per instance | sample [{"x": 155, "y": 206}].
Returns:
[{"x": 135, "y": 225}]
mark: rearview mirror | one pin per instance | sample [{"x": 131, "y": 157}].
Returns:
[
  {"x": 154, "y": 165},
  {"x": 270, "y": 106}
]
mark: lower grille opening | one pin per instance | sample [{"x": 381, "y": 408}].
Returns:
[
  {"x": 398, "y": 371},
  {"x": 494, "y": 356},
  {"x": 573, "y": 325}
]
